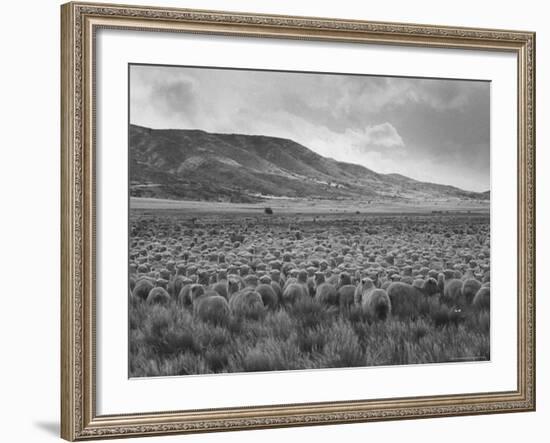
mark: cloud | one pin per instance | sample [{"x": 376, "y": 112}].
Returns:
[
  {"x": 376, "y": 136},
  {"x": 176, "y": 97},
  {"x": 428, "y": 129}
]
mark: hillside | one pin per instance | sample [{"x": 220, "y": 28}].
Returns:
[{"x": 196, "y": 165}]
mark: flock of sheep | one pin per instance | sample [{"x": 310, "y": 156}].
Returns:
[{"x": 388, "y": 266}]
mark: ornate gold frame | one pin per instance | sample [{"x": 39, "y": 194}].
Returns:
[{"x": 79, "y": 21}]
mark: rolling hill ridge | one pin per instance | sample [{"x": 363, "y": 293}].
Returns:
[{"x": 197, "y": 165}]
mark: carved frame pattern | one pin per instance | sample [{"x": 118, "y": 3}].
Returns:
[{"x": 79, "y": 23}]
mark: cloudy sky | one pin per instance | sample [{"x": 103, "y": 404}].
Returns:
[{"x": 430, "y": 130}]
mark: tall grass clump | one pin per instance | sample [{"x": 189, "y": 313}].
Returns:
[{"x": 342, "y": 348}]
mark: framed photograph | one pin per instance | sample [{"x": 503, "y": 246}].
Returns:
[{"x": 277, "y": 221}]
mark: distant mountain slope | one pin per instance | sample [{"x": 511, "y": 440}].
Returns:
[{"x": 197, "y": 165}]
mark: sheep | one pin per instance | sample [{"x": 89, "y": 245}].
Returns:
[
  {"x": 357, "y": 277},
  {"x": 164, "y": 274},
  {"x": 189, "y": 293},
  {"x": 346, "y": 295},
  {"x": 452, "y": 295},
  {"x": 275, "y": 275},
  {"x": 302, "y": 277},
  {"x": 158, "y": 295},
  {"x": 290, "y": 281},
  {"x": 482, "y": 299},
  {"x": 203, "y": 277},
  {"x": 386, "y": 251},
  {"x": 142, "y": 288},
  {"x": 213, "y": 279},
  {"x": 293, "y": 292},
  {"x": 251, "y": 281},
  {"x": 221, "y": 288},
  {"x": 175, "y": 286},
  {"x": 377, "y": 303},
  {"x": 234, "y": 284},
  {"x": 259, "y": 266},
  {"x": 433, "y": 273},
  {"x": 247, "y": 303},
  {"x": 468, "y": 275},
  {"x": 143, "y": 268},
  {"x": 406, "y": 299},
  {"x": 265, "y": 280},
  {"x": 278, "y": 291},
  {"x": 221, "y": 275},
  {"x": 269, "y": 296},
  {"x": 375, "y": 276},
  {"x": 289, "y": 270},
  {"x": 344, "y": 279},
  {"x": 429, "y": 287},
  {"x": 311, "y": 271},
  {"x": 311, "y": 285},
  {"x": 212, "y": 308},
  {"x": 292, "y": 273},
  {"x": 162, "y": 283},
  {"x": 332, "y": 278},
  {"x": 424, "y": 271},
  {"x": 319, "y": 279},
  {"x": 184, "y": 296},
  {"x": 244, "y": 270},
  {"x": 326, "y": 294},
  {"x": 363, "y": 289},
  {"x": 470, "y": 287},
  {"x": 449, "y": 274}
]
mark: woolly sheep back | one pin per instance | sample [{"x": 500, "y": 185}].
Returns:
[
  {"x": 482, "y": 299},
  {"x": 405, "y": 300},
  {"x": 269, "y": 297},
  {"x": 189, "y": 293},
  {"x": 247, "y": 303},
  {"x": 221, "y": 289},
  {"x": 326, "y": 294},
  {"x": 363, "y": 289},
  {"x": 470, "y": 288},
  {"x": 142, "y": 289},
  {"x": 377, "y": 303},
  {"x": 158, "y": 295},
  {"x": 212, "y": 308},
  {"x": 293, "y": 292},
  {"x": 452, "y": 292},
  {"x": 346, "y": 296}
]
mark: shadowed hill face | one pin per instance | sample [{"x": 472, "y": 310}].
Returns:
[{"x": 196, "y": 165}]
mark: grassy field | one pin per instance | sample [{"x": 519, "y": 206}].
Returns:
[
  {"x": 309, "y": 206},
  {"x": 168, "y": 338}
]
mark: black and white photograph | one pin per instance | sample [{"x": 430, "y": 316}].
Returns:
[{"x": 284, "y": 220}]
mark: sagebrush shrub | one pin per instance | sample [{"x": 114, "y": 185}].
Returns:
[
  {"x": 257, "y": 360},
  {"x": 308, "y": 313},
  {"x": 342, "y": 348}
]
